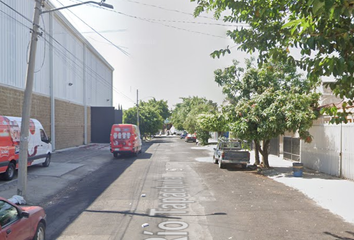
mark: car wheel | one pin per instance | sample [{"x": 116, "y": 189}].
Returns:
[
  {"x": 10, "y": 171},
  {"x": 221, "y": 165},
  {"x": 40, "y": 233},
  {"x": 47, "y": 160},
  {"x": 115, "y": 155},
  {"x": 215, "y": 160}
]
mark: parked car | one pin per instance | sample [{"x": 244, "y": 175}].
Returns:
[
  {"x": 191, "y": 138},
  {"x": 231, "y": 152},
  {"x": 21, "y": 222},
  {"x": 184, "y": 135}
]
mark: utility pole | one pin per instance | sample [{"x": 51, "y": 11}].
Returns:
[
  {"x": 137, "y": 108},
  {"x": 26, "y": 106}
]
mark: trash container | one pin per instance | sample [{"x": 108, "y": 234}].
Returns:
[{"x": 297, "y": 169}]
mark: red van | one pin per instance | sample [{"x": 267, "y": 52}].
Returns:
[
  {"x": 125, "y": 139},
  {"x": 39, "y": 146}
]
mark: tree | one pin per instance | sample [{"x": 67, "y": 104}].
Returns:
[
  {"x": 268, "y": 101},
  {"x": 213, "y": 122},
  {"x": 321, "y": 30},
  {"x": 129, "y": 116},
  {"x": 150, "y": 120},
  {"x": 185, "y": 115},
  {"x": 161, "y": 106}
]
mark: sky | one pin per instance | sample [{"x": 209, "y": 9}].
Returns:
[{"x": 168, "y": 49}]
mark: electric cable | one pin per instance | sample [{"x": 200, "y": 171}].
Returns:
[
  {"x": 157, "y": 21},
  {"x": 94, "y": 76},
  {"x": 16, "y": 11},
  {"x": 119, "y": 48},
  {"x": 44, "y": 52}
]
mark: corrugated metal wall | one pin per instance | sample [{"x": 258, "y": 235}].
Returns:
[
  {"x": 69, "y": 62},
  {"x": 324, "y": 152},
  {"x": 68, "y": 57},
  {"x": 14, "y": 42}
]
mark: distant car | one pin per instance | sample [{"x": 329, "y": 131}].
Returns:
[
  {"x": 21, "y": 222},
  {"x": 184, "y": 135},
  {"x": 190, "y": 138}
]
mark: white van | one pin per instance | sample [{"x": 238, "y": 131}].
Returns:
[{"x": 39, "y": 146}]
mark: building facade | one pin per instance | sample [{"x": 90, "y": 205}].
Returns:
[{"x": 70, "y": 75}]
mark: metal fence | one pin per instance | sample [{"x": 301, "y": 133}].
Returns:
[
  {"x": 291, "y": 148},
  {"x": 274, "y": 146}
]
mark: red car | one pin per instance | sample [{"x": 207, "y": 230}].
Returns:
[
  {"x": 21, "y": 222},
  {"x": 191, "y": 138}
]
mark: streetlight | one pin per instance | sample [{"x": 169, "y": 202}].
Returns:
[
  {"x": 102, "y": 4},
  {"x": 27, "y": 98}
]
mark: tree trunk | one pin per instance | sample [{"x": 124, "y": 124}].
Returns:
[
  {"x": 219, "y": 134},
  {"x": 256, "y": 152},
  {"x": 265, "y": 153}
]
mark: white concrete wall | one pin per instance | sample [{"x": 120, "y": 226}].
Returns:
[{"x": 331, "y": 150}]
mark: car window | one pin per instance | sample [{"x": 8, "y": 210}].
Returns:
[
  {"x": 8, "y": 213},
  {"x": 43, "y": 135}
]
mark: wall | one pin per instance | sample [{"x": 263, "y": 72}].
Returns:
[
  {"x": 68, "y": 69},
  {"x": 11, "y": 105},
  {"x": 69, "y": 125},
  {"x": 331, "y": 150}
]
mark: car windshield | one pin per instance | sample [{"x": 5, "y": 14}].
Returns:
[{"x": 231, "y": 145}]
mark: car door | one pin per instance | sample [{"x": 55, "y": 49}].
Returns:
[
  {"x": 44, "y": 145},
  {"x": 13, "y": 226}
]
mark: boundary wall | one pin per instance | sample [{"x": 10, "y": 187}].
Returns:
[{"x": 331, "y": 150}]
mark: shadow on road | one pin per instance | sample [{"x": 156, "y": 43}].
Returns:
[
  {"x": 132, "y": 213},
  {"x": 341, "y": 237},
  {"x": 66, "y": 205}
]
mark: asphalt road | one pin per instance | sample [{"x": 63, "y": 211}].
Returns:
[{"x": 165, "y": 193}]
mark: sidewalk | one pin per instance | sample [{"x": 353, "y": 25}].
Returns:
[{"x": 329, "y": 192}]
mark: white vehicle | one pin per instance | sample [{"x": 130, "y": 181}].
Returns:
[{"x": 39, "y": 146}]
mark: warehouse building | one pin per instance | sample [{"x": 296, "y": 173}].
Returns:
[{"x": 70, "y": 79}]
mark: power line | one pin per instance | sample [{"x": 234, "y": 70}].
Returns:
[
  {"x": 29, "y": 20},
  {"x": 106, "y": 31},
  {"x": 74, "y": 65},
  {"x": 119, "y": 48},
  {"x": 15, "y": 19},
  {"x": 62, "y": 54},
  {"x": 166, "y": 25},
  {"x": 158, "y": 21}
]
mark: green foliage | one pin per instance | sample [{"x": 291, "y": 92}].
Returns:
[
  {"x": 160, "y": 106},
  {"x": 213, "y": 122},
  {"x": 203, "y": 136},
  {"x": 267, "y": 102},
  {"x": 321, "y": 29},
  {"x": 185, "y": 114},
  {"x": 150, "y": 119},
  {"x": 129, "y": 116}
]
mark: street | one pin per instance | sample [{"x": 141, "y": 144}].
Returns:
[{"x": 167, "y": 193}]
